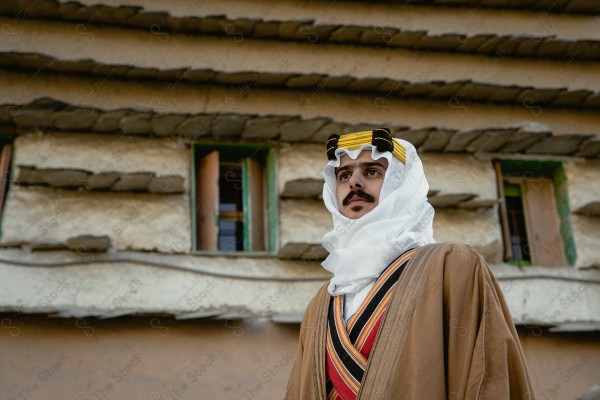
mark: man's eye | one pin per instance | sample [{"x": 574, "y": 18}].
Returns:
[
  {"x": 372, "y": 172},
  {"x": 343, "y": 176}
]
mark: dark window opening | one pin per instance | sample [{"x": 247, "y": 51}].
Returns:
[
  {"x": 516, "y": 225},
  {"x": 230, "y": 207}
]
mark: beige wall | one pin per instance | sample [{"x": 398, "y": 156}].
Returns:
[
  {"x": 161, "y": 358},
  {"x": 562, "y": 365},
  {"x": 144, "y": 358}
]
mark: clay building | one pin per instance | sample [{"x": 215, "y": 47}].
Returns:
[{"x": 161, "y": 167}]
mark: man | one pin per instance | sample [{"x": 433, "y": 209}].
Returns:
[{"x": 402, "y": 317}]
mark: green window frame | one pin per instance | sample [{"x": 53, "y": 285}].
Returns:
[
  {"x": 541, "y": 188},
  {"x": 234, "y": 199}
]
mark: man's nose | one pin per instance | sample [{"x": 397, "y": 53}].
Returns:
[{"x": 356, "y": 180}]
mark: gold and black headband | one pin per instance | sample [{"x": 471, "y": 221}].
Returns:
[{"x": 380, "y": 138}]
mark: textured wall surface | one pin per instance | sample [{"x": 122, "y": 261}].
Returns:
[
  {"x": 141, "y": 221},
  {"x": 160, "y": 358}
]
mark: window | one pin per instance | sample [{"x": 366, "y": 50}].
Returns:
[
  {"x": 534, "y": 214},
  {"x": 235, "y": 198}
]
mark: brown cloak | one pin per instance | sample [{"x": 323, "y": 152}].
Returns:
[{"x": 447, "y": 334}]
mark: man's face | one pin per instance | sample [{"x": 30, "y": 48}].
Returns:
[{"x": 359, "y": 183}]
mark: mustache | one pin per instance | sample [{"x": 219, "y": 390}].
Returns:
[{"x": 359, "y": 193}]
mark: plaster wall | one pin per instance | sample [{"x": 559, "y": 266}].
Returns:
[
  {"x": 41, "y": 216},
  {"x": 460, "y": 174},
  {"x": 102, "y": 154},
  {"x": 586, "y": 231},
  {"x": 306, "y": 221},
  {"x": 584, "y": 197},
  {"x": 160, "y": 358}
]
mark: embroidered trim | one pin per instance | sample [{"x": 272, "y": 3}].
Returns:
[{"x": 348, "y": 347}]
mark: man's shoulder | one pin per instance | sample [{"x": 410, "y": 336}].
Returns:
[
  {"x": 451, "y": 253},
  {"x": 455, "y": 267},
  {"x": 451, "y": 248}
]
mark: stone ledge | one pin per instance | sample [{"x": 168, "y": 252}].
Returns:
[
  {"x": 549, "y": 295},
  {"x": 111, "y": 181},
  {"x": 421, "y": 118},
  {"x": 350, "y": 23},
  {"x": 249, "y": 63},
  {"x": 460, "y": 180},
  {"x": 460, "y": 90},
  {"x": 301, "y": 227},
  {"x": 89, "y": 244},
  {"x": 304, "y": 222},
  {"x": 109, "y": 285},
  {"x": 39, "y": 216},
  {"x": 101, "y": 162},
  {"x": 142, "y": 283}
]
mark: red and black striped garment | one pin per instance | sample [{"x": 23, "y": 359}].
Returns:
[{"x": 349, "y": 345}]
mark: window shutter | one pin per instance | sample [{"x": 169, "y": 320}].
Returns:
[
  {"x": 207, "y": 201},
  {"x": 271, "y": 205},
  {"x": 543, "y": 225},
  {"x": 503, "y": 214},
  {"x": 4, "y": 169},
  {"x": 254, "y": 205}
]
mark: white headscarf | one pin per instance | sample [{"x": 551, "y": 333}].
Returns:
[{"x": 360, "y": 249}]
